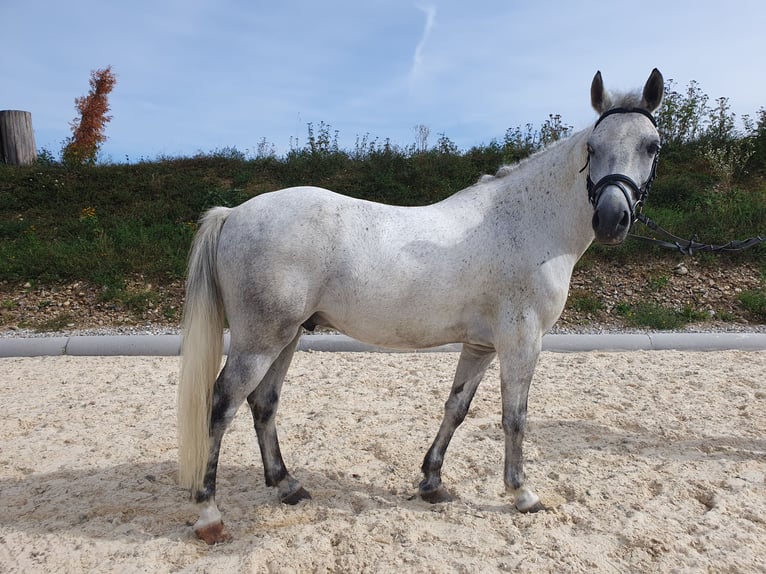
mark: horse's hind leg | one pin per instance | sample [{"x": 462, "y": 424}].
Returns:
[
  {"x": 239, "y": 377},
  {"x": 471, "y": 367},
  {"x": 264, "y": 401}
]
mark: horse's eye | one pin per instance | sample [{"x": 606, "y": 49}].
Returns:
[{"x": 653, "y": 148}]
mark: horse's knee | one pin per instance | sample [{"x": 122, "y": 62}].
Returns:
[
  {"x": 455, "y": 410},
  {"x": 515, "y": 423}
]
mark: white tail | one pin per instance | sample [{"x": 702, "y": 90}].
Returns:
[{"x": 202, "y": 348}]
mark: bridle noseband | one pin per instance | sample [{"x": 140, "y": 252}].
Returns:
[{"x": 624, "y": 183}]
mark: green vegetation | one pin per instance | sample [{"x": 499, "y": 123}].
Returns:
[
  {"x": 755, "y": 303},
  {"x": 57, "y": 323},
  {"x": 584, "y": 301},
  {"x": 653, "y": 316},
  {"x": 109, "y": 223}
]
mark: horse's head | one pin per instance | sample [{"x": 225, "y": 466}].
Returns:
[{"x": 622, "y": 156}]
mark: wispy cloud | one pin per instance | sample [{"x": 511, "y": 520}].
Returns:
[{"x": 417, "y": 57}]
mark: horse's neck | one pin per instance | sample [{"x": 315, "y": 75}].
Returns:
[
  {"x": 554, "y": 187},
  {"x": 542, "y": 200}
]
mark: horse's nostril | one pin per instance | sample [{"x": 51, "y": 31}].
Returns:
[{"x": 625, "y": 221}]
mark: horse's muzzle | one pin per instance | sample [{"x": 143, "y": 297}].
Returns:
[{"x": 612, "y": 216}]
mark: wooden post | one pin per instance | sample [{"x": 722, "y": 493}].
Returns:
[{"x": 17, "y": 140}]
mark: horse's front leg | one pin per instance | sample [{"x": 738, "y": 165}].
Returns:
[
  {"x": 471, "y": 367},
  {"x": 517, "y": 366}
]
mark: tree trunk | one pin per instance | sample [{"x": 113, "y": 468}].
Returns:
[{"x": 17, "y": 140}]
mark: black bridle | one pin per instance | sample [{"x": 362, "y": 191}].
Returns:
[{"x": 629, "y": 188}]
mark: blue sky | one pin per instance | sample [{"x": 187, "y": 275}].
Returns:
[{"x": 197, "y": 75}]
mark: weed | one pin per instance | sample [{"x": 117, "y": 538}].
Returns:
[
  {"x": 755, "y": 303},
  {"x": 170, "y": 313},
  {"x": 136, "y": 300},
  {"x": 90, "y": 224},
  {"x": 725, "y": 316},
  {"x": 692, "y": 315},
  {"x": 57, "y": 323},
  {"x": 6, "y": 305},
  {"x": 111, "y": 289},
  {"x": 653, "y": 316},
  {"x": 584, "y": 302},
  {"x": 623, "y": 309},
  {"x": 658, "y": 283},
  {"x": 139, "y": 301}
]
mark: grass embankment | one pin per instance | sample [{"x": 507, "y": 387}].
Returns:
[{"x": 118, "y": 226}]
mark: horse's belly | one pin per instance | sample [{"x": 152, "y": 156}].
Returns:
[
  {"x": 405, "y": 325},
  {"x": 400, "y": 337}
]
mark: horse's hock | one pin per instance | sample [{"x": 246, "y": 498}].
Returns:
[{"x": 17, "y": 140}]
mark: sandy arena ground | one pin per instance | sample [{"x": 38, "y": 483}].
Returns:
[{"x": 651, "y": 462}]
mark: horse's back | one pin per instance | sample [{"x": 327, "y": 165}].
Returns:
[{"x": 295, "y": 224}]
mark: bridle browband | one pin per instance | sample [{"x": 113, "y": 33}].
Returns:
[
  {"x": 619, "y": 180},
  {"x": 613, "y": 111}
]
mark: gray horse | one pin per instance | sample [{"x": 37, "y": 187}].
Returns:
[{"x": 488, "y": 267}]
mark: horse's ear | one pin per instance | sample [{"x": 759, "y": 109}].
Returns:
[
  {"x": 599, "y": 98},
  {"x": 652, "y": 96}
]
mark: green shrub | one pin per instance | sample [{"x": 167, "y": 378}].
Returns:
[{"x": 755, "y": 303}]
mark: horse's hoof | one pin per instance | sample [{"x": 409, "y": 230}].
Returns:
[
  {"x": 296, "y": 497},
  {"x": 536, "y": 507},
  {"x": 436, "y": 495},
  {"x": 527, "y": 501},
  {"x": 213, "y": 533}
]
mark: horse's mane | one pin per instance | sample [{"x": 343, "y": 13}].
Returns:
[
  {"x": 616, "y": 100},
  {"x": 507, "y": 169},
  {"x": 502, "y": 171}
]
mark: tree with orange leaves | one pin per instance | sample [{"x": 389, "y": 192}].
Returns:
[{"x": 88, "y": 130}]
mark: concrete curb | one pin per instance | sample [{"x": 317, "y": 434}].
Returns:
[{"x": 170, "y": 345}]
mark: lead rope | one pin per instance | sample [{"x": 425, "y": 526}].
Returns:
[{"x": 691, "y": 246}]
